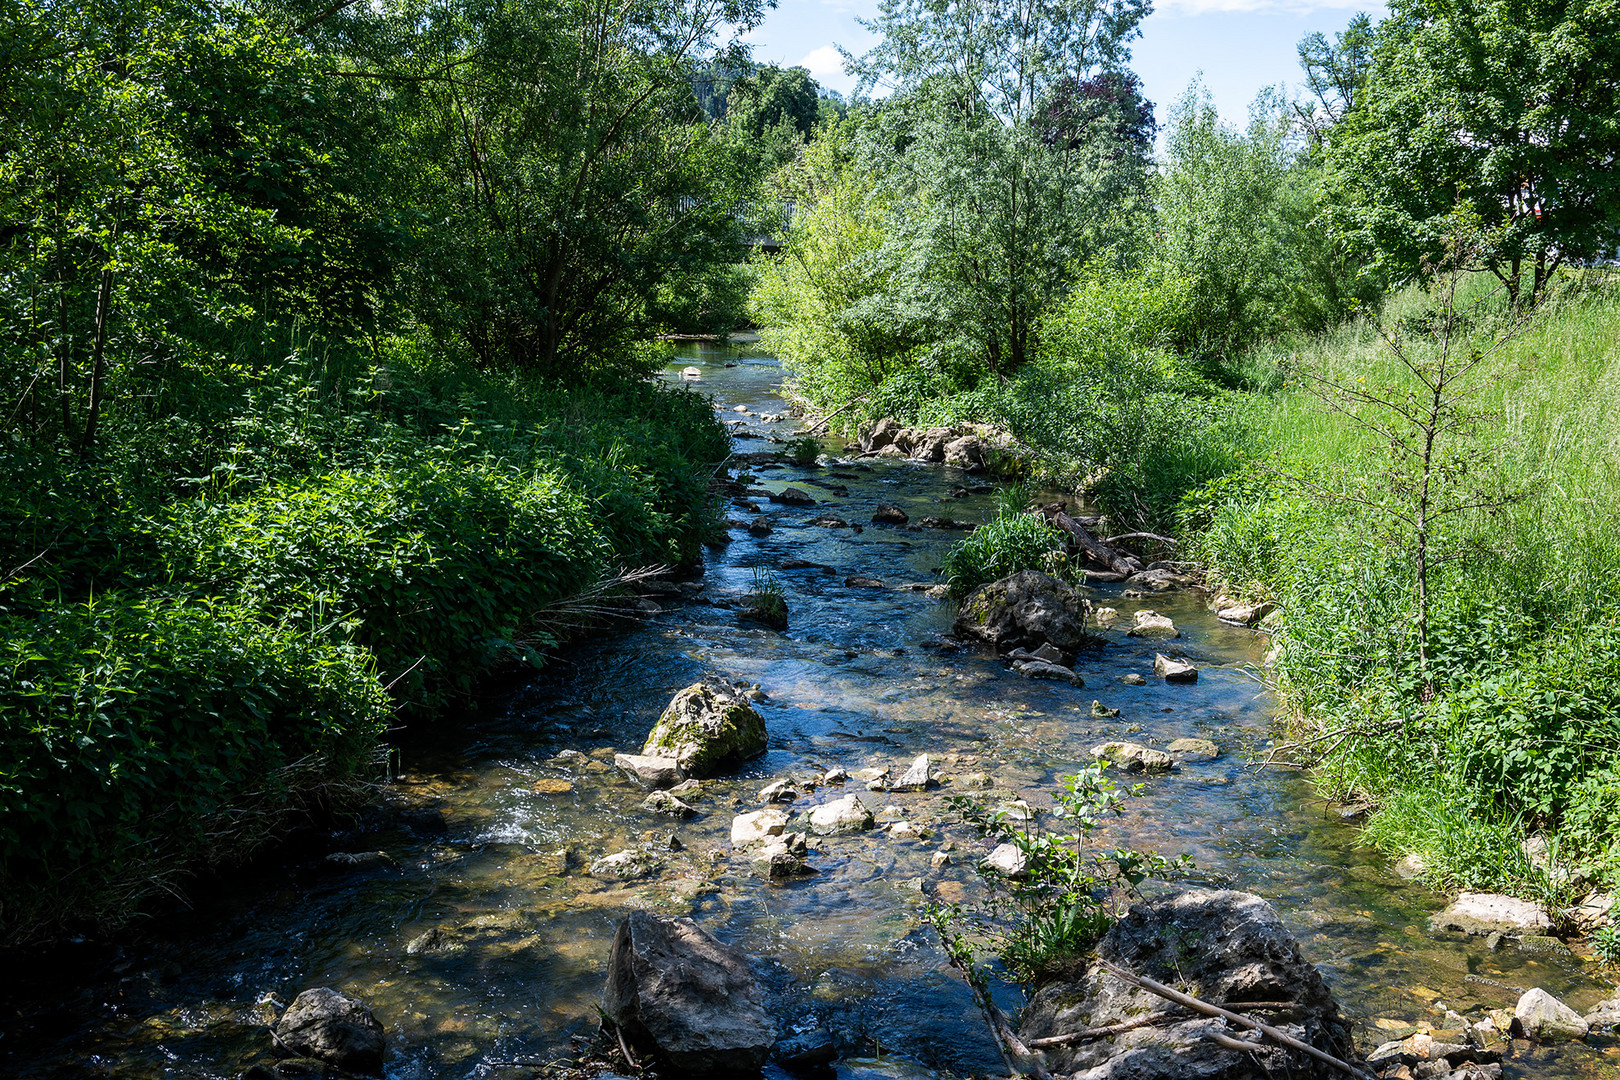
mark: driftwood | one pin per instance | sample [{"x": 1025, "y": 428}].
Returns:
[
  {"x": 1165, "y": 540},
  {"x": 1095, "y": 550},
  {"x": 1197, "y": 1005},
  {"x": 1087, "y": 1034}
]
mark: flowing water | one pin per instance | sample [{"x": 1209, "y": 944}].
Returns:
[{"x": 479, "y": 937}]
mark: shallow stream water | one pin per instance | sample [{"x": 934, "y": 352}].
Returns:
[{"x": 479, "y": 938}]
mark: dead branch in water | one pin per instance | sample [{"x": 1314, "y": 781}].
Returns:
[
  {"x": 1108, "y": 1030},
  {"x": 1199, "y": 1005}
]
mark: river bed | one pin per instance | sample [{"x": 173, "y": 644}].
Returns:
[{"x": 479, "y": 938}]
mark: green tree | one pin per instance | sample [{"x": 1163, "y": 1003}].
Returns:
[
  {"x": 773, "y": 97},
  {"x": 562, "y": 168},
  {"x": 1335, "y": 73},
  {"x": 991, "y": 214},
  {"x": 1505, "y": 111}
]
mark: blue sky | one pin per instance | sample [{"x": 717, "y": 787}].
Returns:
[{"x": 1239, "y": 45}]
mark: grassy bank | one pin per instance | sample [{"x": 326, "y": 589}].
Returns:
[
  {"x": 1505, "y": 725},
  {"x": 209, "y": 625}
]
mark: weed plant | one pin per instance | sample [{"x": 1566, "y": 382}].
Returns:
[{"x": 1012, "y": 542}]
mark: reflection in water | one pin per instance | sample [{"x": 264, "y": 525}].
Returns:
[{"x": 482, "y": 935}]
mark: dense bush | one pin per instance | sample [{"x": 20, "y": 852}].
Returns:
[
  {"x": 1007, "y": 545},
  {"x": 139, "y": 738}
]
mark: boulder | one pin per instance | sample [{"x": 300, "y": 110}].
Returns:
[
  {"x": 792, "y": 496},
  {"x": 679, "y": 995},
  {"x": 757, "y": 827},
  {"x": 844, "y": 815},
  {"x": 706, "y": 726},
  {"x": 889, "y": 514},
  {"x": 1028, "y": 609},
  {"x": 1133, "y": 757},
  {"x": 930, "y": 446},
  {"x": 1099, "y": 711},
  {"x": 1544, "y": 1017},
  {"x": 1193, "y": 750},
  {"x": 760, "y": 526},
  {"x": 1159, "y": 580},
  {"x": 1224, "y": 947},
  {"x": 875, "y": 435},
  {"x": 779, "y": 791},
  {"x": 662, "y": 802},
  {"x": 1174, "y": 671},
  {"x": 782, "y": 858},
  {"x": 1243, "y": 614},
  {"x": 1133, "y": 678},
  {"x": 1484, "y": 914},
  {"x": 1153, "y": 626},
  {"x": 1040, "y": 669},
  {"x": 966, "y": 452},
  {"x": 806, "y": 1053},
  {"x": 1605, "y": 1014},
  {"x": 919, "y": 777},
  {"x": 650, "y": 772},
  {"x": 330, "y": 1027}
]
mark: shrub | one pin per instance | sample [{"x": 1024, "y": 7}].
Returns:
[
  {"x": 143, "y": 736},
  {"x": 434, "y": 565},
  {"x": 1010, "y": 543}
]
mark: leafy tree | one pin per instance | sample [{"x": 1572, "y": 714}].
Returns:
[
  {"x": 773, "y": 97},
  {"x": 565, "y": 166},
  {"x": 991, "y": 214},
  {"x": 1335, "y": 73},
  {"x": 1505, "y": 111}
]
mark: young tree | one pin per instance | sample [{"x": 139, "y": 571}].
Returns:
[
  {"x": 1503, "y": 109},
  {"x": 1335, "y": 73}
]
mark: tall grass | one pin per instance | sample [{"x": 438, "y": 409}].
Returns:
[{"x": 1519, "y": 733}]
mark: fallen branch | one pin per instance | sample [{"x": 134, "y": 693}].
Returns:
[
  {"x": 1087, "y": 1034},
  {"x": 1007, "y": 1040},
  {"x": 811, "y": 430},
  {"x": 1199, "y": 1005},
  {"x": 1095, "y": 549}
]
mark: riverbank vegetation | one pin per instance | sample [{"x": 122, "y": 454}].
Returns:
[
  {"x": 1359, "y": 355},
  {"x": 327, "y": 333}
]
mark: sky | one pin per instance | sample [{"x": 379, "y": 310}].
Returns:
[{"x": 1239, "y": 45}]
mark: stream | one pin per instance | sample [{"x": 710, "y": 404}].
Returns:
[{"x": 478, "y": 936}]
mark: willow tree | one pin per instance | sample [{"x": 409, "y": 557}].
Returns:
[{"x": 992, "y": 211}]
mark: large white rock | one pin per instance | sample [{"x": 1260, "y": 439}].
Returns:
[
  {"x": 754, "y": 828},
  {"x": 1153, "y": 626},
  {"x": 1546, "y": 1018},
  {"x": 1174, "y": 671},
  {"x": 1133, "y": 757},
  {"x": 919, "y": 777},
  {"x": 844, "y": 815},
  {"x": 649, "y": 772},
  {"x": 1492, "y": 913},
  {"x": 1007, "y": 860}
]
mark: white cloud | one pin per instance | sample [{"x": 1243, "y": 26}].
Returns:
[{"x": 824, "y": 64}]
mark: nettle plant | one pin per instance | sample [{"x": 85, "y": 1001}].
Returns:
[{"x": 1069, "y": 891}]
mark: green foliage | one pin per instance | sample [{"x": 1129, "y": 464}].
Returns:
[
  {"x": 1051, "y": 916},
  {"x": 1012, "y": 542},
  {"x": 802, "y": 451},
  {"x": 767, "y": 603},
  {"x": 1497, "y": 111},
  {"x": 142, "y": 737}
]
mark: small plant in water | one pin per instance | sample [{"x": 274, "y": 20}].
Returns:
[
  {"x": 767, "y": 603},
  {"x": 802, "y": 451},
  {"x": 1050, "y": 914}
]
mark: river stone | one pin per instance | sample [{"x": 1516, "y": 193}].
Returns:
[
  {"x": 806, "y": 1053},
  {"x": 965, "y": 453},
  {"x": 782, "y": 858},
  {"x": 844, "y": 815},
  {"x": 1194, "y": 749},
  {"x": 330, "y": 1027},
  {"x": 876, "y": 434},
  {"x": 649, "y": 772},
  {"x": 1153, "y": 626},
  {"x": 1221, "y": 946},
  {"x": 1133, "y": 757},
  {"x": 678, "y": 994},
  {"x": 1160, "y": 580},
  {"x": 1605, "y": 1014},
  {"x": 761, "y": 526},
  {"x": 755, "y": 828},
  {"x": 1133, "y": 678},
  {"x": 662, "y": 802},
  {"x": 1545, "y": 1018},
  {"x": 1593, "y": 911},
  {"x": 623, "y": 866},
  {"x": 919, "y": 777},
  {"x": 1243, "y": 614},
  {"x": 1099, "y": 711},
  {"x": 974, "y": 781},
  {"x": 792, "y": 496},
  {"x": 1040, "y": 669},
  {"x": 779, "y": 791},
  {"x": 706, "y": 726},
  {"x": 1008, "y": 860},
  {"x": 889, "y": 514},
  {"x": 1487, "y": 913},
  {"x": 1173, "y": 671},
  {"x": 1028, "y": 609}
]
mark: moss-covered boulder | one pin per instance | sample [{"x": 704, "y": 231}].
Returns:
[
  {"x": 706, "y": 727},
  {"x": 1026, "y": 610}
]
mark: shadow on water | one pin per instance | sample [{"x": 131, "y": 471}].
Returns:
[{"x": 478, "y": 934}]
